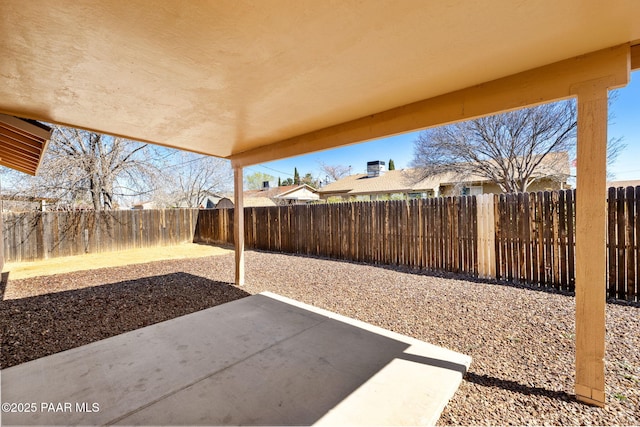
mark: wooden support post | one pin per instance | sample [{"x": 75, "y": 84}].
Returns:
[
  {"x": 238, "y": 224},
  {"x": 591, "y": 243}
]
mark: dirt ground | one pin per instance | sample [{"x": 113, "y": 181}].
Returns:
[
  {"x": 521, "y": 339},
  {"x": 24, "y": 270}
]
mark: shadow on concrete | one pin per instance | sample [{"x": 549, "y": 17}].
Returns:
[
  {"x": 38, "y": 326},
  {"x": 261, "y": 360}
]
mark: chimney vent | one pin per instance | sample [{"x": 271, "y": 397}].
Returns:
[{"x": 375, "y": 168}]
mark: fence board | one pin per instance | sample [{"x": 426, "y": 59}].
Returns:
[
  {"x": 562, "y": 236},
  {"x": 528, "y": 237},
  {"x": 635, "y": 295},
  {"x": 31, "y": 236},
  {"x": 630, "y": 244},
  {"x": 385, "y": 232},
  {"x": 571, "y": 256},
  {"x": 621, "y": 242}
]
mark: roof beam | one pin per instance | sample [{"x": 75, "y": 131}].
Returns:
[
  {"x": 25, "y": 127},
  {"x": 544, "y": 84},
  {"x": 9, "y": 134},
  {"x": 19, "y": 168},
  {"x": 18, "y": 148},
  {"x": 23, "y": 143},
  {"x": 635, "y": 57},
  {"x": 16, "y": 159}
]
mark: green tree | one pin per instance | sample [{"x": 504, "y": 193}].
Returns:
[
  {"x": 255, "y": 180},
  {"x": 279, "y": 182},
  {"x": 296, "y": 176},
  {"x": 392, "y": 165},
  {"x": 288, "y": 181},
  {"x": 309, "y": 180}
]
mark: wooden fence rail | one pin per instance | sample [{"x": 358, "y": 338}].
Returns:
[
  {"x": 535, "y": 238},
  {"x": 623, "y": 206},
  {"x": 526, "y": 238},
  {"x": 432, "y": 234},
  {"x": 31, "y": 236},
  {"x": 523, "y": 238}
]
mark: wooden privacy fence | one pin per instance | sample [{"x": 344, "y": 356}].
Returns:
[
  {"x": 32, "y": 236},
  {"x": 535, "y": 238},
  {"x": 433, "y": 234},
  {"x": 526, "y": 238},
  {"x": 623, "y": 240},
  {"x": 523, "y": 238}
]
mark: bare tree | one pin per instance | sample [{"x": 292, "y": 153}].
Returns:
[
  {"x": 86, "y": 167},
  {"x": 335, "y": 172},
  {"x": 189, "y": 181},
  {"x": 512, "y": 149}
]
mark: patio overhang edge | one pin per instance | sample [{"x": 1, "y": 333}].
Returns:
[
  {"x": 635, "y": 56},
  {"x": 544, "y": 84}
]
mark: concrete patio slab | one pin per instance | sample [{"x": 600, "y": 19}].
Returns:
[{"x": 260, "y": 360}]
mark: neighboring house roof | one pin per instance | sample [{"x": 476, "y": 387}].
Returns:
[
  {"x": 248, "y": 202},
  {"x": 18, "y": 198},
  {"x": 395, "y": 181},
  {"x": 291, "y": 192},
  {"x": 302, "y": 192},
  {"x": 209, "y": 200},
  {"x": 412, "y": 181},
  {"x": 144, "y": 205},
  {"x": 269, "y": 196}
]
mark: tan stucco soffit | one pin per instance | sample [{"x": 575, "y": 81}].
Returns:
[{"x": 544, "y": 84}]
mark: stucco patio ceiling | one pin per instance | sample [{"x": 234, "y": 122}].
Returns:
[{"x": 226, "y": 77}]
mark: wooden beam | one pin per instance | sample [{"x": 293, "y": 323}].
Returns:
[
  {"x": 25, "y": 143},
  {"x": 7, "y": 144},
  {"x": 28, "y": 171},
  {"x": 591, "y": 241},
  {"x": 635, "y": 57},
  {"x": 238, "y": 224},
  {"x": 41, "y": 132},
  {"x": 18, "y": 161},
  {"x": 44, "y": 150},
  {"x": 540, "y": 85}
]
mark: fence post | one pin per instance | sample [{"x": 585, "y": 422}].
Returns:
[{"x": 486, "y": 236}]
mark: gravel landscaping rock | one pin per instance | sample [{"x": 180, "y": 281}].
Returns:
[{"x": 521, "y": 340}]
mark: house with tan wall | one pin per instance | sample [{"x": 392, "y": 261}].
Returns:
[{"x": 379, "y": 184}]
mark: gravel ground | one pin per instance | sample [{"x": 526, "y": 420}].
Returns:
[{"x": 521, "y": 340}]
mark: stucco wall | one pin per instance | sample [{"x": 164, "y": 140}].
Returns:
[{"x": 542, "y": 185}]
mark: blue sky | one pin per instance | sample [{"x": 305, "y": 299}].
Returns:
[{"x": 625, "y": 123}]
